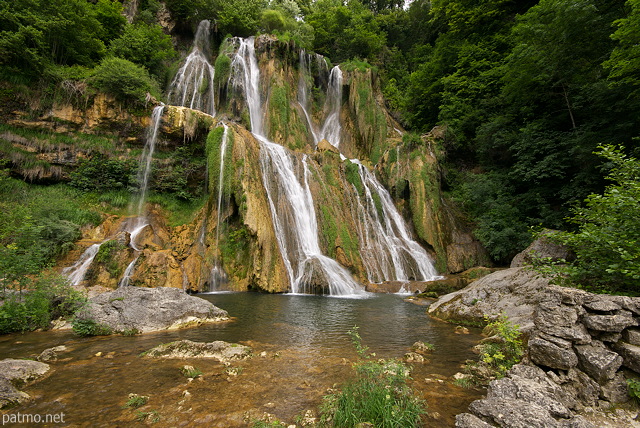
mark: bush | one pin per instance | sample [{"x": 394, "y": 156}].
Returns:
[
  {"x": 101, "y": 174},
  {"x": 378, "y": 395},
  {"x": 48, "y": 297},
  {"x": 86, "y": 327},
  {"x": 124, "y": 80}
]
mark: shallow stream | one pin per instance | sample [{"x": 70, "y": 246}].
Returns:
[{"x": 301, "y": 350}]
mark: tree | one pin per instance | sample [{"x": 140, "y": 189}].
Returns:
[
  {"x": 145, "y": 45},
  {"x": 607, "y": 242},
  {"x": 624, "y": 62}
]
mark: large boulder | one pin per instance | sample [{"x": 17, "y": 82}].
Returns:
[
  {"x": 150, "y": 309},
  {"x": 514, "y": 292},
  {"x": 542, "y": 247}
]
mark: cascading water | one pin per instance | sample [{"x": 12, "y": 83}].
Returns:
[
  {"x": 291, "y": 202},
  {"x": 387, "y": 249},
  {"x": 330, "y": 129},
  {"x": 193, "y": 84},
  {"x": 218, "y": 275},
  {"x": 77, "y": 271}
]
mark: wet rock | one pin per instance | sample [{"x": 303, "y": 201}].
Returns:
[
  {"x": 10, "y": 395},
  {"x": 422, "y": 348},
  {"x": 598, "y": 361},
  {"x": 512, "y": 413},
  {"x": 325, "y": 146},
  {"x": 630, "y": 355},
  {"x": 549, "y": 354},
  {"x": 22, "y": 371},
  {"x": 542, "y": 247},
  {"x": 218, "y": 350},
  {"x": 613, "y": 323},
  {"x": 51, "y": 354},
  {"x": 150, "y": 309},
  {"x": 413, "y": 357},
  {"x": 467, "y": 420}
]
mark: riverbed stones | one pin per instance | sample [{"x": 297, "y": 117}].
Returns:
[
  {"x": 51, "y": 354},
  {"x": 217, "y": 350},
  {"x": 150, "y": 309},
  {"x": 598, "y": 361},
  {"x": 14, "y": 373}
]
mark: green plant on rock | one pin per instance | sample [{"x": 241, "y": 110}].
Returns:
[
  {"x": 152, "y": 416},
  {"x": 501, "y": 351},
  {"x": 190, "y": 372},
  {"x": 378, "y": 394},
  {"x": 633, "y": 387},
  {"x": 134, "y": 401}
]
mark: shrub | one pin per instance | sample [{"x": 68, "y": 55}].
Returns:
[
  {"x": 86, "y": 327},
  {"x": 124, "y": 80},
  {"x": 48, "y": 297},
  {"x": 101, "y": 174},
  {"x": 145, "y": 45},
  {"x": 377, "y": 395}
]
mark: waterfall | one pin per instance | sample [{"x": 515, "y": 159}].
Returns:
[
  {"x": 331, "y": 128},
  {"x": 218, "y": 275},
  {"x": 291, "y": 202},
  {"x": 192, "y": 86},
  {"x": 144, "y": 172},
  {"x": 128, "y": 273},
  {"x": 303, "y": 93},
  {"x": 77, "y": 271},
  {"x": 387, "y": 249}
]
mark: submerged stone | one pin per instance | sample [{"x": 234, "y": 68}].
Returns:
[{"x": 218, "y": 350}]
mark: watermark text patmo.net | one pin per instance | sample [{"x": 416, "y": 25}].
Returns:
[{"x": 32, "y": 418}]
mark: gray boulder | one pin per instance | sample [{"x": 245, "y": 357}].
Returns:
[
  {"x": 541, "y": 248},
  {"x": 20, "y": 372},
  {"x": 630, "y": 355},
  {"x": 555, "y": 319},
  {"x": 598, "y": 361},
  {"x": 218, "y": 350},
  {"x": 150, "y": 309},
  {"x": 467, "y": 420},
  {"x": 10, "y": 395},
  {"x": 558, "y": 355},
  {"x": 514, "y": 292},
  {"x": 610, "y": 323},
  {"x": 505, "y": 412}
]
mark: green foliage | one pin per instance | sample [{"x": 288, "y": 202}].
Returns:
[
  {"x": 124, "y": 80},
  {"x": 37, "y": 224},
  {"x": 633, "y": 386},
  {"x": 223, "y": 70},
  {"x": 239, "y": 17},
  {"x": 352, "y": 174},
  {"x": 607, "y": 240},
  {"x": 100, "y": 173},
  {"x": 190, "y": 371},
  {"x": 144, "y": 45},
  {"x": 134, "y": 401},
  {"x": 624, "y": 60},
  {"x": 87, "y": 327},
  {"x": 48, "y": 297},
  {"x": 107, "y": 256},
  {"x": 152, "y": 416},
  {"x": 377, "y": 395},
  {"x": 498, "y": 354}
]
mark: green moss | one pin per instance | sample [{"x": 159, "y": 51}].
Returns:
[
  {"x": 352, "y": 175},
  {"x": 223, "y": 70},
  {"x": 107, "y": 257},
  {"x": 329, "y": 230},
  {"x": 280, "y": 112},
  {"x": 235, "y": 248}
]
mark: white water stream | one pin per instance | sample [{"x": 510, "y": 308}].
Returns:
[
  {"x": 192, "y": 86},
  {"x": 292, "y": 209}
]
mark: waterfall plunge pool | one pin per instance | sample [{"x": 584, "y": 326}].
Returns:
[{"x": 301, "y": 349}]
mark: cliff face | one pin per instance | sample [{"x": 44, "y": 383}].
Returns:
[{"x": 231, "y": 242}]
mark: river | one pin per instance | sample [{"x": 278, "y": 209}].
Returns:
[{"x": 301, "y": 350}]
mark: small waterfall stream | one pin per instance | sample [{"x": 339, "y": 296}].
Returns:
[
  {"x": 192, "y": 86},
  {"x": 218, "y": 275},
  {"x": 291, "y": 202}
]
